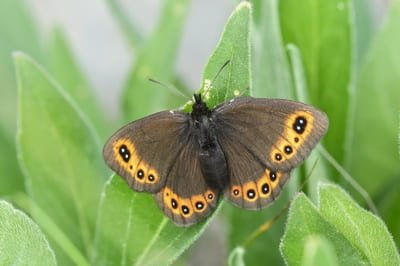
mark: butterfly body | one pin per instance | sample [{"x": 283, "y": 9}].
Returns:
[{"x": 244, "y": 148}]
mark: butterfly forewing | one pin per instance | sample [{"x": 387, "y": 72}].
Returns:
[{"x": 143, "y": 151}]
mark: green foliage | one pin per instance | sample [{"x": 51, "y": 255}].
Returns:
[
  {"x": 325, "y": 53},
  {"x": 349, "y": 233},
  {"x": 21, "y": 240}
]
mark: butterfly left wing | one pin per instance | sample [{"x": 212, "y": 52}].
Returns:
[
  {"x": 263, "y": 140},
  {"x": 186, "y": 198},
  {"x": 143, "y": 151}
]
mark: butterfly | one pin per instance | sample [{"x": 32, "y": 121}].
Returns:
[{"x": 243, "y": 149}]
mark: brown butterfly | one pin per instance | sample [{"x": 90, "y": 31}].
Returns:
[{"x": 244, "y": 148}]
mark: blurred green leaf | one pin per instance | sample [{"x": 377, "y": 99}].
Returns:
[
  {"x": 364, "y": 28},
  {"x": 305, "y": 221},
  {"x": 11, "y": 178},
  {"x": 156, "y": 60},
  {"x": 236, "y": 257},
  {"x": 60, "y": 155},
  {"x": 63, "y": 67},
  {"x": 271, "y": 71},
  {"x": 373, "y": 149},
  {"x": 18, "y": 32},
  {"x": 234, "y": 45},
  {"x": 322, "y": 32},
  {"x": 319, "y": 251},
  {"x": 389, "y": 207},
  {"x": 132, "y": 230},
  {"x": 130, "y": 32},
  {"x": 21, "y": 241},
  {"x": 366, "y": 232}
]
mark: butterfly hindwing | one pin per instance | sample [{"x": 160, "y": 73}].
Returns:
[
  {"x": 143, "y": 151},
  {"x": 263, "y": 140},
  {"x": 186, "y": 198}
]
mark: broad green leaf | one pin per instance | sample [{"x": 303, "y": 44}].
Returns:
[
  {"x": 131, "y": 230},
  {"x": 60, "y": 154},
  {"x": 364, "y": 230},
  {"x": 373, "y": 158},
  {"x": 234, "y": 45},
  {"x": 322, "y": 32},
  {"x": 156, "y": 60},
  {"x": 319, "y": 251},
  {"x": 305, "y": 221},
  {"x": 271, "y": 72},
  {"x": 21, "y": 241},
  {"x": 63, "y": 67}
]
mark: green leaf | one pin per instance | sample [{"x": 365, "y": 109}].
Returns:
[
  {"x": 319, "y": 251},
  {"x": 236, "y": 257},
  {"x": 21, "y": 241},
  {"x": 157, "y": 59},
  {"x": 305, "y": 221},
  {"x": 11, "y": 178},
  {"x": 365, "y": 231},
  {"x": 234, "y": 45},
  {"x": 373, "y": 149},
  {"x": 322, "y": 32},
  {"x": 389, "y": 207},
  {"x": 271, "y": 72},
  {"x": 18, "y": 32},
  {"x": 60, "y": 155},
  {"x": 132, "y": 230},
  {"x": 63, "y": 67}
]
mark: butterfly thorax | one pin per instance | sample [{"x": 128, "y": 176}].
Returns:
[
  {"x": 212, "y": 158},
  {"x": 199, "y": 108}
]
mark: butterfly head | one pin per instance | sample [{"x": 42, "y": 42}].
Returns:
[{"x": 199, "y": 108}]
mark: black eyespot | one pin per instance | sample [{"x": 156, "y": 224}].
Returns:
[
  {"x": 288, "y": 149},
  {"x": 151, "y": 178},
  {"x": 251, "y": 193},
  {"x": 174, "y": 204},
  {"x": 278, "y": 156},
  {"x": 199, "y": 205},
  {"x": 300, "y": 124},
  {"x": 210, "y": 196},
  {"x": 185, "y": 209},
  {"x": 124, "y": 153},
  {"x": 296, "y": 139},
  {"x": 140, "y": 174},
  {"x": 265, "y": 188},
  {"x": 236, "y": 192},
  {"x": 272, "y": 176}
]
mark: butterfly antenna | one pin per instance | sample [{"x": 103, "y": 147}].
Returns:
[
  {"x": 208, "y": 86},
  {"x": 172, "y": 89}
]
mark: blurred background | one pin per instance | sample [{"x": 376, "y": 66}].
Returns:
[
  {"x": 105, "y": 57},
  {"x": 103, "y": 54}
]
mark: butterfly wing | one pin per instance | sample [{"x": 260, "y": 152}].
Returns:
[
  {"x": 143, "y": 151},
  {"x": 263, "y": 140},
  {"x": 159, "y": 154},
  {"x": 186, "y": 198}
]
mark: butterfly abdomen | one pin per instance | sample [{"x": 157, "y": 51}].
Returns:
[{"x": 212, "y": 158}]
